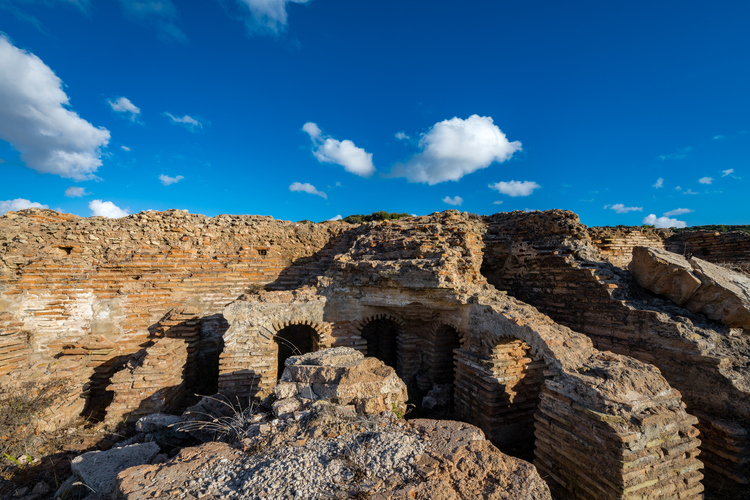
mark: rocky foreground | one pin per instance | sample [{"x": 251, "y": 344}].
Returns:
[{"x": 333, "y": 431}]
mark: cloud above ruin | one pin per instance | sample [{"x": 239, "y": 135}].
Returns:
[
  {"x": 106, "y": 209},
  {"x": 35, "y": 119},
  {"x": 663, "y": 222},
  {"x": 329, "y": 150},
  {"x": 18, "y": 204},
  {"x": 307, "y": 188},
  {"x": 453, "y": 148},
  {"x": 515, "y": 188}
]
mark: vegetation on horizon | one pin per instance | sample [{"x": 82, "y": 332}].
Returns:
[
  {"x": 721, "y": 228},
  {"x": 375, "y": 216}
]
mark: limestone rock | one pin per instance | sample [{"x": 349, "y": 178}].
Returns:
[
  {"x": 343, "y": 376},
  {"x": 664, "y": 273},
  {"x": 98, "y": 469},
  {"x": 719, "y": 293},
  {"x": 723, "y": 296}
]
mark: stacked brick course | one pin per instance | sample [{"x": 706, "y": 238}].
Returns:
[
  {"x": 616, "y": 244},
  {"x": 712, "y": 246}
]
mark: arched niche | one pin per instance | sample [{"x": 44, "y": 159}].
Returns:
[{"x": 293, "y": 340}]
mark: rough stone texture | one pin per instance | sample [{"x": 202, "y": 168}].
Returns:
[
  {"x": 712, "y": 246},
  {"x": 664, "y": 273},
  {"x": 412, "y": 292},
  {"x": 723, "y": 295},
  {"x": 422, "y": 459},
  {"x": 548, "y": 260},
  {"x": 719, "y": 293},
  {"x": 341, "y": 375},
  {"x": 98, "y": 469},
  {"x": 78, "y": 295},
  {"x": 604, "y": 426},
  {"x": 616, "y": 244}
]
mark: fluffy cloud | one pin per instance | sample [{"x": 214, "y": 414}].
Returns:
[
  {"x": 724, "y": 173},
  {"x": 678, "y": 211},
  {"x": 515, "y": 188},
  {"x": 106, "y": 209},
  {"x": 622, "y": 209},
  {"x": 167, "y": 180},
  {"x": 75, "y": 192},
  {"x": 188, "y": 122},
  {"x": 18, "y": 204},
  {"x": 336, "y": 217},
  {"x": 663, "y": 222},
  {"x": 456, "y": 147},
  {"x": 307, "y": 188},
  {"x": 158, "y": 13},
  {"x": 497, "y": 202},
  {"x": 706, "y": 180},
  {"x": 455, "y": 201},
  {"x": 659, "y": 183},
  {"x": 267, "y": 16},
  {"x": 123, "y": 105},
  {"x": 345, "y": 153},
  {"x": 401, "y": 136},
  {"x": 34, "y": 118}
]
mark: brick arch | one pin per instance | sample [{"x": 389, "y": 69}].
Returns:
[
  {"x": 322, "y": 329},
  {"x": 390, "y": 351}
]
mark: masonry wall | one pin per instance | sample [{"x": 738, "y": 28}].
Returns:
[
  {"x": 559, "y": 274},
  {"x": 616, "y": 244},
  {"x": 733, "y": 247},
  {"x": 80, "y": 295}
]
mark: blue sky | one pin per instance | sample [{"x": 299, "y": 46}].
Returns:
[{"x": 313, "y": 109}]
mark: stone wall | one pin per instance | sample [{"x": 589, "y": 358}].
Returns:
[
  {"x": 712, "y": 246},
  {"x": 616, "y": 243},
  {"x": 563, "y": 274},
  {"x": 78, "y": 296}
]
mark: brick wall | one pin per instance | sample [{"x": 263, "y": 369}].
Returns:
[{"x": 712, "y": 246}]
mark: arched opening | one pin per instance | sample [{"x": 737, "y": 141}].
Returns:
[
  {"x": 294, "y": 340},
  {"x": 445, "y": 343},
  {"x": 381, "y": 336}
]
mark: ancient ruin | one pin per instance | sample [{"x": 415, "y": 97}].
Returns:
[{"x": 529, "y": 323}]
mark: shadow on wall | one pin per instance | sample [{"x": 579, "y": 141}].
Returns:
[
  {"x": 304, "y": 270},
  {"x": 179, "y": 359}
]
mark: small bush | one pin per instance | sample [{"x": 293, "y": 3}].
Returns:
[
  {"x": 375, "y": 216},
  {"x": 20, "y": 409}
]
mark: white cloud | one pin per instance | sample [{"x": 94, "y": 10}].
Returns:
[
  {"x": 76, "y": 192},
  {"x": 401, "y": 136},
  {"x": 123, "y": 105},
  {"x": 679, "y": 155},
  {"x": 659, "y": 183},
  {"x": 515, "y": 188},
  {"x": 18, "y": 204},
  {"x": 455, "y": 201},
  {"x": 34, "y": 118},
  {"x": 689, "y": 191},
  {"x": 345, "y": 153},
  {"x": 307, "y": 188},
  {"x": 706, "y": 180},
  {"x": 125, "y": 148},
  {"x": 724, "y": 173},
  {"x": 456, "y": 147},
  {"x": 622, "y": 209},
  {"x": 267, "y": 16},
  {"x": 497, "y": 202},
  {"x": 167, "y": 180},
  {"x": 678, "y": 211},
  {"x": 663, "y": 222},
  {"x": 158, "y": 13},
  {"x": 312, "y": 130},
  {"x": 336, "y": 217},
  {"x": 187, "y": 121},
  {"x": 106, "y": 209}
]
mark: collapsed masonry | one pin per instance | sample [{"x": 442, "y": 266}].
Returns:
[{"x": 134, "y": 312}]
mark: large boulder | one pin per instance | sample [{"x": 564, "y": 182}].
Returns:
[
  {"x": 342, "y": 376},
  {"x": 719, "y": 293},
  {"x": 98, "y": 469}
]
